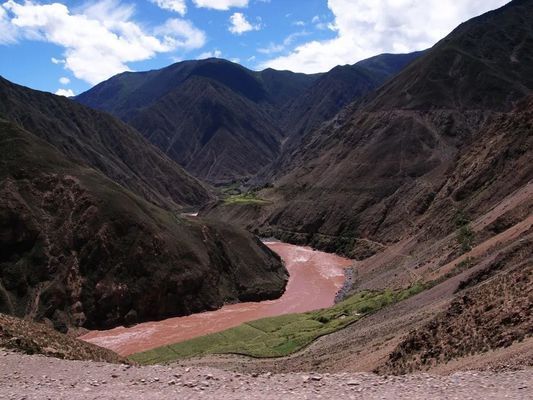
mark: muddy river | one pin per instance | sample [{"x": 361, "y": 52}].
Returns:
[{"x": 315, "y": 278}]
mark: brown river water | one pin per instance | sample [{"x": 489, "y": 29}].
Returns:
[{"x": 315, "y": 278}]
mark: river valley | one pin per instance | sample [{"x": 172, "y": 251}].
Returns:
[{"x": 315, "y": 279}]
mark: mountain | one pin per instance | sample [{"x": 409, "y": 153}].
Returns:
[
  {"x": 427, "y": 181},
  {"x": 372, "y": 175},
  {"x": 329, "y": 94},
  {"x": 223, "y": 122},
  {"x": 103, "y": 142},
  {"x": 214, "y": 117},
  {"x": 340, "y": 87},
  {"x": 80, "y": 250}
]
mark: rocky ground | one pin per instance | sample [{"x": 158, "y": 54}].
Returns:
[
  {"x": 33, "y": 338},
  {"x": 39, "y": 377}
]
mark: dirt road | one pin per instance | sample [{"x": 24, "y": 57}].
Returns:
[{"x": 38, "y": 377}]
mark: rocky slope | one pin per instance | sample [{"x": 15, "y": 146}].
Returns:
[
  {"x": 32, "y": 338},
  {"x": 77, "y": 249},
  {"x": 329, "y": 94},
  {"x": 224, "y": 123},
  {"x": 387, "y": 167},
  {"x": 492, "y": 315},
  {"x": 103, "y": 142}
]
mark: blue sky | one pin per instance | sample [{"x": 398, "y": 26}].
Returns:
[{"x": 68, "y": 46}]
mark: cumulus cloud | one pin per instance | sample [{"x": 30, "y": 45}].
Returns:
[
  {"x": 220, "y": 4},
  {"x": 64, "y": 80},
  {"x": 366, "y": 28},
  {"x": 100, "y": 39},
  {"x": 65, "y": 92},
  {"x": 240, "y": 25},
  {"x": 178, "y": 6},
  {"x": 8, "y": 33}
]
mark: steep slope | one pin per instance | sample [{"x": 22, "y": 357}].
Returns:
[
  {"x": 473, "y": 251},
  {"x": 493, "y": 314},
  {"x": 370, "y": 177},
  {"x": 212, "y": 132},
  {"x": 103, "y": 142},
  {"x": 128, "y": 93},
  {"x": 77, "y": 249},
  {"x": 33, "y": 338},
  {"x": 215, "y": 118},
  {"x": 328, "y": 95}
]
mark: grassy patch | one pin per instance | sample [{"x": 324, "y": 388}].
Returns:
[
  {"x": 279, "y": 336},
  {"x": 245, "y": 198},
  {"x": 465, "y": 234}
]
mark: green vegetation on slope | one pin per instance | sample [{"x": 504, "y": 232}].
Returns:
[
  {"x": 245, "y": 198},
  {"x": 282, "y": 335},
  {"x": 465, "y": 234}
]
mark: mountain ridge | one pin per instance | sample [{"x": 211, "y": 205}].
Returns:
[
  {"x": 105, "y": 143},
  {"x": 268, "y": 98},
  {"x": 363, "y": 178}
]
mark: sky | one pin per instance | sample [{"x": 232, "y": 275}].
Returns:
[{"x": 68, "y": 46}]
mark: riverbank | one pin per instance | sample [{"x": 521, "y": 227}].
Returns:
[{"x": 315, "y": 279}]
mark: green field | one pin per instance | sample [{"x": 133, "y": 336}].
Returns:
[
  {"x": 245, "y": 198},
  {"x": 279, "y": 336}
]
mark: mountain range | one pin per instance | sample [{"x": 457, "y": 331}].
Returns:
[
  {"x": 224, "y": 123},
  {"x": 419, "y": 166},
  {"x": 372, "y": 174},
  {"x": 92, "y": 232}
]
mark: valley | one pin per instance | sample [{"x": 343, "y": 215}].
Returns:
[
  {"x": 394, "y": 196},
  {"x": 315, "y": 278}
]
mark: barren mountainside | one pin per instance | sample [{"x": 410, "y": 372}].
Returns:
[
  {"x": 418, "y": 167},
  {"x": 225, "y": 123},
  {"x": 104, "y": 143},
  {"x": 77, "y": 249},
  {"x": 214, "y": 117},
  {"x": 376, "y": 173}
]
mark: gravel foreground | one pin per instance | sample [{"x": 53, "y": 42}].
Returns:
[{"x": 39, "y": 377}]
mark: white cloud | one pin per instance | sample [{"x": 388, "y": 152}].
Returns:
[
  {"x": 366, "y": 28},
  {"x": 100, "y": 39},
  {"x": 178, "y": 6},
  {"x": 220, "y": 4},
  {"x": 64, "y": 80},
  {"x": 240, "y": 25},
  {"x": 181, "y": 34},
  {"x": 210, "y": 54},
  {"x": 8, "y": 33},
  {"x": 65, "y": 92},
  {"x": 322, "y": 25},
  {"x": 298, "y": 23}
]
